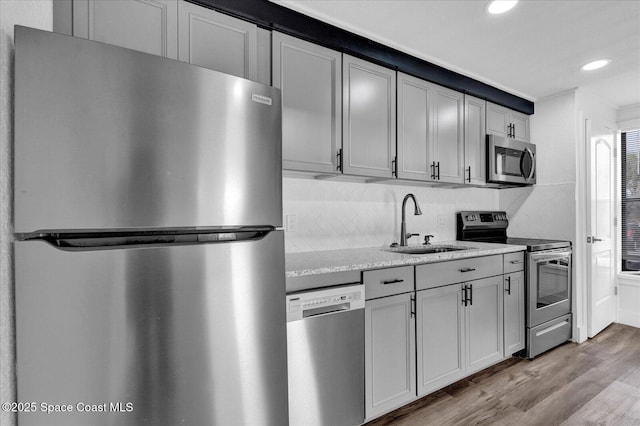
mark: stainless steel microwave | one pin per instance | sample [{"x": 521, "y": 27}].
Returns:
[{"x": 510, "y": 162}]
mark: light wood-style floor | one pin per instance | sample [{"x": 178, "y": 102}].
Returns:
[{"x": 595, "y": 383}]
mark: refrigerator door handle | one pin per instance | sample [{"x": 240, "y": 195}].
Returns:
[{"x": 79, "y": 241}]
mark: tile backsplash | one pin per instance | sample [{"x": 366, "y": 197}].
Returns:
[{"x": 328, "y": 215}]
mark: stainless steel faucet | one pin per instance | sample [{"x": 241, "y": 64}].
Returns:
[{"x": 403, "y": 225}]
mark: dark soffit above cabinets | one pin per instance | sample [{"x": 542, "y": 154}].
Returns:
[{"x": 275, "y": 17}]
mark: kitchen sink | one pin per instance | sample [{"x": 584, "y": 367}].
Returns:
[{"x": 425, "y": 249}]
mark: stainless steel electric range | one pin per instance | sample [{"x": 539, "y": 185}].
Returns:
[{"x": 547, "y": 277}]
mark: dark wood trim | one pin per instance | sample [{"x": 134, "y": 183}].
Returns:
[{"x": 279, "y": 18}]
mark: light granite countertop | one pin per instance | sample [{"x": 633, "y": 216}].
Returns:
[{"x": 330, "y": 261}]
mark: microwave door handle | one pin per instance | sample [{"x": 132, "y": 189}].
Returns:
[
  {"x": 533, "y": 164},
  {"x": 528, "y": 152}
]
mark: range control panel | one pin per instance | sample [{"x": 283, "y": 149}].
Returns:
[{"x": 483, "y": 219}]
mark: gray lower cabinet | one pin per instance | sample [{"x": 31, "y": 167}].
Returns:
[
  {"x": 310, "y": 79},
  {"x": 417, "y": 342},
  {"x": 514, "y": 303},
  {"x": 459, "y": 331},
  {"x": 484, "y": 323},
  {"x": 514, "y": 318},
  {"x": 369, "y": 118},
  {"x": 440, "y": 337},
  {"x": 390, "y": 354},
  {"x": 150, "y": 26},
  {"x": 390, "y": 357},
  {"x": 475, "y": 150}
]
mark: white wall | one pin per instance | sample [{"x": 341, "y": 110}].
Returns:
[
  {"x": 547, "y": 210},
  {"x": 628, "y": 117},
  {"x": 37, "y": 14},
  {"x": 337, "y": 215}
]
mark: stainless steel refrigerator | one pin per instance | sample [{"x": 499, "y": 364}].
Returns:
[{"x": 149, "y": 264}]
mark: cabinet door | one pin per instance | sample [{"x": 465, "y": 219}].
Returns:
[
  {"x": 520, "y": 126},
  {"x": 369, "y": 118},
  {"x": 448, "y": 134},
  {"x": 475, "y": 149},
  {"x": 310, "y": 79},
  {"x": 497, "y": 120},
  {"x": 216, "y": 41},
  {"x": 514, "y": 327},
  {"x": 414, "y": 128},
  {"x": 439, "y": 337},
  {"x": 149, "y": 26},
  {"x": 484, "y": 323},
  {"x": 389, "y": 353}
]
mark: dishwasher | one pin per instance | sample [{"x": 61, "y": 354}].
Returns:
[{"x": 325, "y": 349}]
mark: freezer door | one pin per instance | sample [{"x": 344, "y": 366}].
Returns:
[
  {"x": 106, "y": 137},
  {"x": 192, "y": 335}
]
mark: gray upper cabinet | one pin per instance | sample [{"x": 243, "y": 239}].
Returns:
[
  {"x": 448, "y": 135},
  {"x": 217, "y": 41},
  {"x": 430, "y": 131},
  {"x": 508, "y": 123},
  {"x": 149, "y": 26},
  {"x": 369, "y": 118},
  {"x": 414, "y": 128},
  {"x": 520, "y": 124},
  {"x": 311, "y": 82},
  {"x": 475, "y": 152}
]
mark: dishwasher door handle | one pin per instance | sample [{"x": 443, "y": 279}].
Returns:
[{"x": 325, "y": 310}]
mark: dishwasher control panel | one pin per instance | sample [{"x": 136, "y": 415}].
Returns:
[{"x": 324, "y": 302}]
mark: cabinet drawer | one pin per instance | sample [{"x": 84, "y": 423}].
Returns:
[
  {"x": 385, "y": 282},
  {"x": 457, "y": 271},
  {"x": 513, "y": 262}
]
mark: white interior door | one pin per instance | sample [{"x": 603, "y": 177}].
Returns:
[{"x": 600, "y": 226}]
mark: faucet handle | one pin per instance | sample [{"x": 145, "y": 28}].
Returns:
[
  {"x": 426, "y": 239},
  {"x": 409, "y": 235}
]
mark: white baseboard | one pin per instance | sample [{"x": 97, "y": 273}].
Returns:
[{"x": 580, "y": 335}]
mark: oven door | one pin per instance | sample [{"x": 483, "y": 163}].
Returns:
[
  {"x": 510, "y": 161},
  {"x": 549, "y": 274}
]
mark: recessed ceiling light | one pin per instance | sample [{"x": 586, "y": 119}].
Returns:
[
  {"x": 501, "y": 6},
  {"x": 596, "y": 64}
]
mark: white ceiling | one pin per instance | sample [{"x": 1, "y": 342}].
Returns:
[{"x": 533, "y": 51}]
